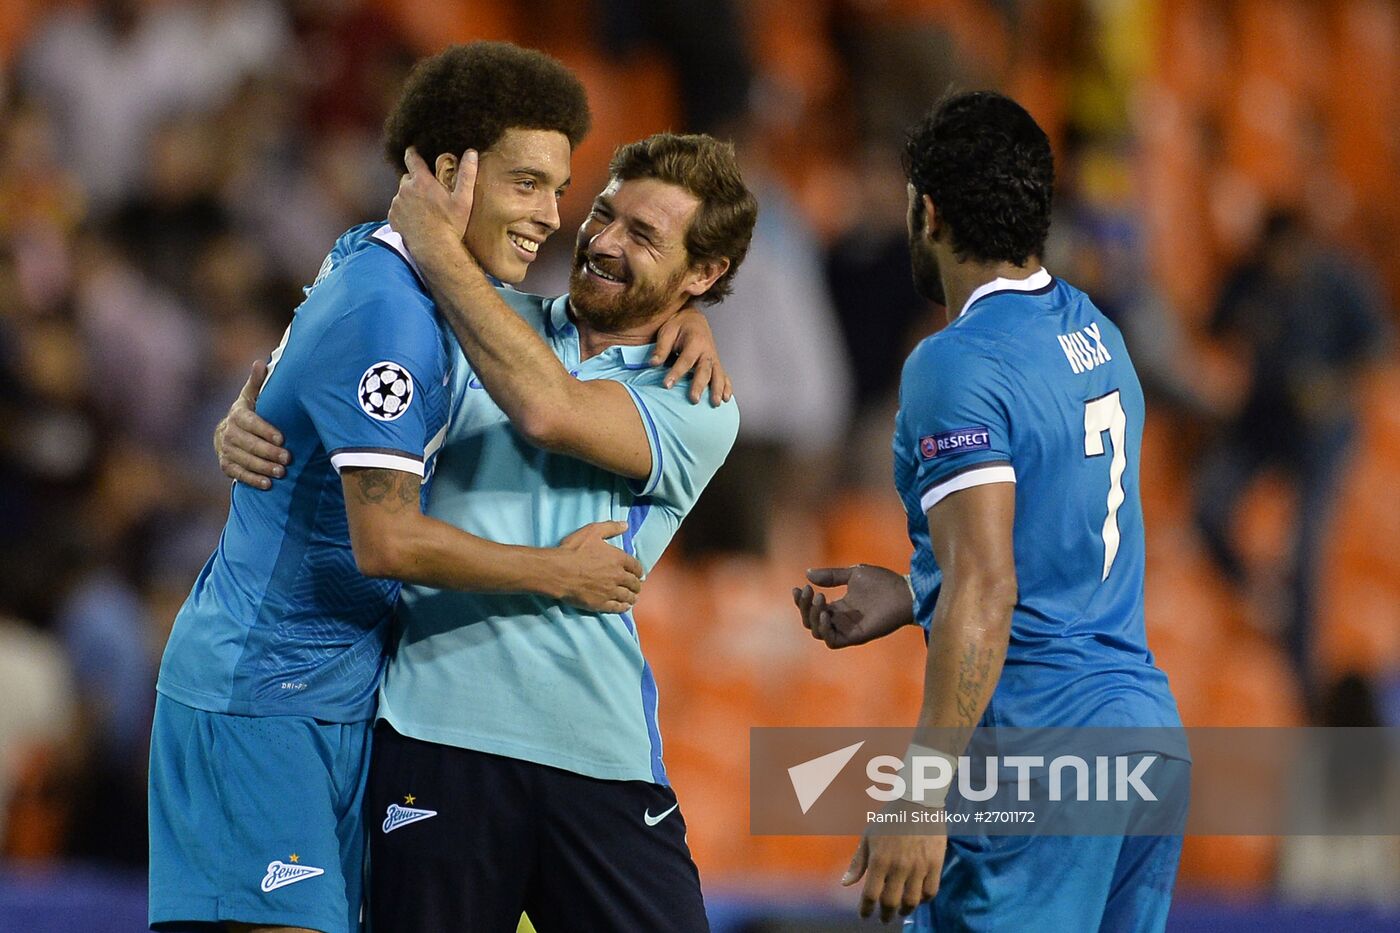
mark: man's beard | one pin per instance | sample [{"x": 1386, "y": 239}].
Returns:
[
  {"x": 928, "y": 281},
  {"x": 612, "y": 312}
]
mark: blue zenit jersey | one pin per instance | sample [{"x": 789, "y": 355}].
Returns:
[
  {"x": 1031, "y": 384},
  {"x": 280, "y": 620}
]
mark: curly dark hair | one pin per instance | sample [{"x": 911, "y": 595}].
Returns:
[
  {"x": 466, "y": 96},
  {"x": 987, "y": 167},
  {"x": 708, "y": 169}
]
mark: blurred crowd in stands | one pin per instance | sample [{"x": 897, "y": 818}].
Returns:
[{"x": 173, "y": 171}]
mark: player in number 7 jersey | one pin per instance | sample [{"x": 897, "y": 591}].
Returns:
[{"x": 1016, "y": 457}]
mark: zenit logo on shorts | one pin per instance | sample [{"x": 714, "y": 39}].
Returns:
[
  {"x": 397, "y": 816},
  {"x": 280, "y": 874},
  {"x": 961, "y": 440}
]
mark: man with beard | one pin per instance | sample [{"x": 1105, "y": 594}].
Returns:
[
  {"x": 1016, "y": 457},
  {"x": 529, "y": 727},
  {"x": 517, "y": 760}
]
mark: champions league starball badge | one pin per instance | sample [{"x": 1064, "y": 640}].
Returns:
[{"x": 386, "y": 391}]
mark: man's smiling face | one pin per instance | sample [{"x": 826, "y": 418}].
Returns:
[
  {"x": 516, "y": 206},
  {"x": 630, "y": 260}
]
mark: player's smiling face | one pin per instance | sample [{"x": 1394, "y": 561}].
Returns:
[
  {"x": 516, "y": 206},
  {"x": 630, "y": 260}
]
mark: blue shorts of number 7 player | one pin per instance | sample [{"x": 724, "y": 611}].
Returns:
[
  {"x": 260, "y": 747},
  {"x": 1123, "y": 883}
]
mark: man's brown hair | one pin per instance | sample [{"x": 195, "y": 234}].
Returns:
[
  {"x": 467, "y": 96},
  {"x": 707, "y": 168}
]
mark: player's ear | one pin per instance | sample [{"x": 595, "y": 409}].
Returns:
[
  {"x": 704, "y": 274},
  {"x": 931, "y": 218},
  {"x": 445, "y": 169}
]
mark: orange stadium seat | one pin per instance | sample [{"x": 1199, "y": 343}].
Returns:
[
  {"x": 39, "y": 811},
  {"x": 1228, "y": 863},
  {"x": 864, "y": 526}
]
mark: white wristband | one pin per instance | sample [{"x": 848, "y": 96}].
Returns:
[{"x": 938, "y": 767}]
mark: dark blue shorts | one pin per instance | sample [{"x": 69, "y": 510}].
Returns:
[
  {"x": 257, "y": 819},
  {"x": 466, "y": 841}
]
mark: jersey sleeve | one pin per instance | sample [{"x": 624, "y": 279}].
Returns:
[
  {"x": 368, "y": 396},
  {"x": 953, "y": 419},
  {"x": 688, "y": 442}
]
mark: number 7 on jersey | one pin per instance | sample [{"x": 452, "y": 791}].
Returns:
[{"x": 1105, "y": 413}]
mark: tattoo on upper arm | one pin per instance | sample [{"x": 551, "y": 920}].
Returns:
[
  {"x": 395, "y": 490},
  {"x": 973, "y": 669}
]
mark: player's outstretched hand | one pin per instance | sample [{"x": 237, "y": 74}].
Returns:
[
  {"x": 877, "y": 602},
  {"x": 250, "y": 449},
  {"x": 424, "y": 208},
  {"x": 687, "y": 335},
  {"x": 901, "y": 872},
  {"x": 593, "y": 574}
]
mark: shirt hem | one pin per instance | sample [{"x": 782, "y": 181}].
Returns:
[
  {"x": 213, "y": 703},
  {"x": 492, "y": 746},
  {"x": 170, "y": 913}
]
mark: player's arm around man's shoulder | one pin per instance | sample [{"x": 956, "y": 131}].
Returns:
[
  {"x": 374, "y": 398},
  {"x": 593, "y": 420}
]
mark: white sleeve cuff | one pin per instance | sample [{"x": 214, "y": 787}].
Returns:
[
  {"x": 976, "y": 476},
  {"x": 377, "y": 459}
]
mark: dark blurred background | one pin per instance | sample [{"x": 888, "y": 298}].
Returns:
[{"x": 173, "y": 171}]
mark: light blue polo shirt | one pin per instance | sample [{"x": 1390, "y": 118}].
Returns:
[{"x": 525, "y": 676}]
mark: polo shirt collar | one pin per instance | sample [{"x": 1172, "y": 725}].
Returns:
[
  {"x": 1031, "y": 283},
  {"x": 560, "y": 326}
]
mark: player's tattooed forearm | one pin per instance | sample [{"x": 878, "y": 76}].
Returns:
[
  {"x": 973, "y": 670},
  {"x": 395, "y": 490}
]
